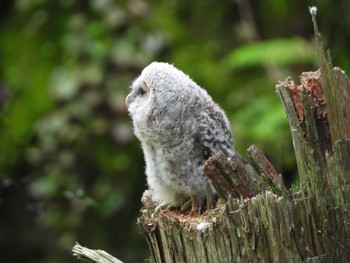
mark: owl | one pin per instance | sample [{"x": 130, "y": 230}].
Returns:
[{"x": 179, "y": 127}]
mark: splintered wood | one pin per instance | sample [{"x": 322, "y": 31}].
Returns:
[
  {"x": 310, "y": 106},
  {"x": 239, "y": 178},
  {"x": 311, "y": 84}
]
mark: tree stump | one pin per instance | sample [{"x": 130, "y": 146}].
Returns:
[{"x": 257, "y": 219}]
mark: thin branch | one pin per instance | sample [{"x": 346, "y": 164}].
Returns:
[{"x": 84, "y": 254}]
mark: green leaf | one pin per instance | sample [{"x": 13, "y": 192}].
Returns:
[{"x": 276, "y": 51}]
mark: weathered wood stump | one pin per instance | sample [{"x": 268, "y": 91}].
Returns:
[{"x": 257, "y": 220}]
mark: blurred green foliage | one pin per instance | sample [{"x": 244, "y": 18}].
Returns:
[
  {"x": 70, "y": 167},
  {"x": 256, "y": 54}
]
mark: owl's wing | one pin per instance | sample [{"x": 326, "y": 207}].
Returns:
[{"x": 214, "y": 134}]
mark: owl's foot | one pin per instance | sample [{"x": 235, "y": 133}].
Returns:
[
  {"x": 197, "y": 205},
  {"x": 194, "y": 204},
  {"x": 164, "y": 207},
  {"x": 159, "y": 208},
  {"x": 201, "y": 203}
]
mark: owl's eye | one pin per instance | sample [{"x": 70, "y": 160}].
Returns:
[{"x": 142, "y": 91}]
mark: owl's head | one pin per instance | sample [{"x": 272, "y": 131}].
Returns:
[{"x": 160, "y": 85}]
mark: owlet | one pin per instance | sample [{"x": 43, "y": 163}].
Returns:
[{"x": 179, "y": 127}]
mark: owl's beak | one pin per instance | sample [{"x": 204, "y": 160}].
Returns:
[{"x": 127, "y": 101}]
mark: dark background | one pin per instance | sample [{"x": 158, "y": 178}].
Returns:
[{"x": 70, "y": 167}]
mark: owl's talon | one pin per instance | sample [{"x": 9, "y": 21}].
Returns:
[
  {"x": 194, "y": 207},
  {"x": 186, "y": 205},
  {"x": 164, "y": 207},
  {"x": 191, "y": 203},
  {"x": 159, "y": 208}
]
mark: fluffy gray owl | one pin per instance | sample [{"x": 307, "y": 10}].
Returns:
[{"x": 179, "y": 127}]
